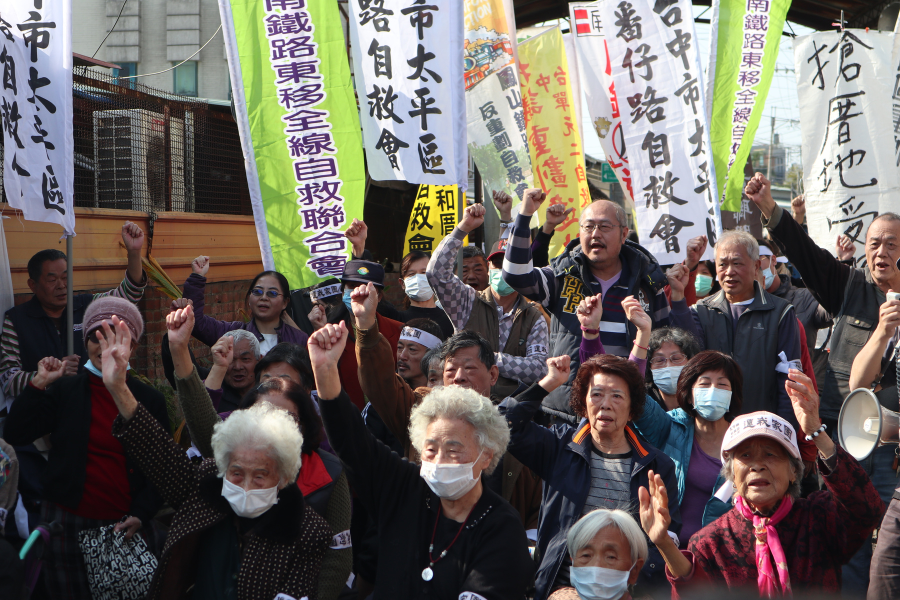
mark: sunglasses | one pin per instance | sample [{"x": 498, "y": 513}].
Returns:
[{"x": 258, "y": 292}]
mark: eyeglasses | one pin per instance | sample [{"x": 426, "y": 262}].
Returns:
[
  {"x": 270, "y": 293},
  {"x": 603, "y": 227},
  {"x": 676, "y": 360}
]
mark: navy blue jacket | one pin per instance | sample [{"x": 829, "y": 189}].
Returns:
[{"x": 561, "y": 457}]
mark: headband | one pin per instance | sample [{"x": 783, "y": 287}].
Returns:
[
  {"x": 411, "y": 334},
  {"x": 324, "y": 292}
]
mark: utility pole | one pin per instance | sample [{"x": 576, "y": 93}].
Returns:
[{"x": 771, "y": 143}]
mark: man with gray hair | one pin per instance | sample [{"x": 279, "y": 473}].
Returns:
[
  {"x": 600, "y": 262},
  {"x": 234, "y": 356},
  {"x": 756, "y": 328}
]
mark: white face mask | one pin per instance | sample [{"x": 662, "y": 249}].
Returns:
[
  {"x": 417, "y": 288},
  {"x": 666, "y": 379},
  {"x": 598, "y": 583},
  {"x": 450, "y": 482},
  {"x": 249, "y": 504}
]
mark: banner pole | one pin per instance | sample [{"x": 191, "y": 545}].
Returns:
[
  {"x": 70, "y": 339},
  {"x": 460, "y": 200}
]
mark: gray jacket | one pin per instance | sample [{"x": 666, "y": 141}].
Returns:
[{"x": 813, "y": 316}]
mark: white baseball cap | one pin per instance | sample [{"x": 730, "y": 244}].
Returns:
[{"x": 760, "y": 423}]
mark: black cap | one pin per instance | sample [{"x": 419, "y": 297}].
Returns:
[{"x": 362, "y": 272}]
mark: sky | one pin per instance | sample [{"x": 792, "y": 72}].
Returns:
[{"x": 781, "y": 101}]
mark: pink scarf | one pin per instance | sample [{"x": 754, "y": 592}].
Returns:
[{"x": 768, "y": 547}]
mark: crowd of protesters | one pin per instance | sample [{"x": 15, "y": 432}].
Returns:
[{"x": 589, "y": 425}]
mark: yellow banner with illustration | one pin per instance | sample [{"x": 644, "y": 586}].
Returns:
[
  {"x": 434, "y": 215},
  {"x": 557, "y": 157}
]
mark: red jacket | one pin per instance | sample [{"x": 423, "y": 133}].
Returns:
[{"x": 348, "y": 367}]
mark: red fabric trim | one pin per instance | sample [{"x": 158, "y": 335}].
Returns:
[{"x": 313, "y": 474}]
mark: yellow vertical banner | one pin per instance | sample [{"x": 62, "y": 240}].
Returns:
[
  {"x": 557, "y": 157},
  {"x": 434, "y": 215}
]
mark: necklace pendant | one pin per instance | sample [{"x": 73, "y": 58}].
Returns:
[{"x": 427, "y": 574}]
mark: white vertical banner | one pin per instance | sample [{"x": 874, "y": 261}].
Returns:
[
  {"x": 845, "y": 80},
  {"x": 408, "y": 66},
  {"x": 657, "y": 75},
  {"x": 574, "y": 78},
  {"x": 595, "y": 72},
  {"x": 36, "y": 102}
]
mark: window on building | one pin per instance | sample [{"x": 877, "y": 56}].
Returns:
[
  {"x": 186, "y": 79},
  {"x": 128, "y": 69}
]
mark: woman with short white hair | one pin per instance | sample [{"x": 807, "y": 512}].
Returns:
[
  {"x": 442, "y": 532},
  {"x": 241, "y": 527},
  {"x": 608, "y": 549}
]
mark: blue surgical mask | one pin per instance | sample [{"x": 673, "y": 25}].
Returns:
[
  {"x": 497, "y": 283},
  {"x": 711, "y": 403},
  {"x": 92, "y": 369},
  {"x": 769, "y": 274},
  {"x": 346, "y": 299},
  {"x": 666, "y": 379},
  {"x": 599, "y": 583},
  {"x": 702, "y": 284}
]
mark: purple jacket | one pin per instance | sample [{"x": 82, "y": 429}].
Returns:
[{"x": 208, "y": 330}]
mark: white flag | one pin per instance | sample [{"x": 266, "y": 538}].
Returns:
[{"x": 36, "y": 102}]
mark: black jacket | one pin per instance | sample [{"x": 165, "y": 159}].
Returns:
[
  {"x": 63, "y": 411},
  {"x": 38, "y": 335},
  {"x": 490, "y": 557}
]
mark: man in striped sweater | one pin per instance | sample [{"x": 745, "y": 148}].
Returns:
[
  {"x": 600, "y": 262},
  {"x": 37, "y": 328}
]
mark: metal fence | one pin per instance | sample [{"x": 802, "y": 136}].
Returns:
[{"x": 140, "y": 148}]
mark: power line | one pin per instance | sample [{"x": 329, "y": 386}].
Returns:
[
  {"x": 179, "y": 64},
  {"x": 111, "y": 29}
]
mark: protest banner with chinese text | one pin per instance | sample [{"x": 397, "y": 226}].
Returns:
[
  {"x": 850, "y": 171},
  {"x": 599, "y": 88},
  {"x": 36, "y": 99},
  {"x": 496, "y": 123},
  {"x": 297, "y": 119},
  {"x": 434, "y": 215},
  {"x": 746, "y": 35},
  {"x": 656, "y": 69},
  {"x": 408, "y": 65},
  {"x": 553, "y": 140}
]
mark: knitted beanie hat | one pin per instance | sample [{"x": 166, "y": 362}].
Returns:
[{"x": 103, "y": 309}]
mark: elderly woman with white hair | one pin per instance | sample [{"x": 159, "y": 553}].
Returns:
[
  {"x": 772, "y": 540},
  {"x": 241, "y": 528},
  {"x": 442, "y": 533},
  {"x": 607, "y": 549}
]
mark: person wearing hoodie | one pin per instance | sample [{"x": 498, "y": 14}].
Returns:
[{"x": 600, "y": 261}]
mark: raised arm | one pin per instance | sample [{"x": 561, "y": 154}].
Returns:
[
  {"x": 867, "y": 364},
  {"x": 388, "y": 393},
  {"x": 533, "y": 365},
  {"x": 371, "y": 467},
  {"x": 682, "y": 315},
  {"x": 199, "y": 412},
  {"x": 538, "y": 284},
  {"x": 32, "y": 414},
  {"x": 357, "y": 233},
  {"x": 824, "y": 275},
  {"x": 455, "y": 297}
]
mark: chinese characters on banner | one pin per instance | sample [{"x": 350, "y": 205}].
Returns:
[
  {"x": 844, "y": 88},
  {"x": 553, "y": 139},
  {"x": 408, "y": 64},
  {"x": 741, "y": 75},
  {"x": 299, "y": 133},
  {"x": 496, "y": 122},
  {"x": 434, "y": 215},
  {"x": 596, "y": 77},
  {"x": 652, "y": 49},
  {"x": 36, "y": 102}
]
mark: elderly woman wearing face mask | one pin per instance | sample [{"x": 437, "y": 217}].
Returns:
[
  {"x": 709, "y": 397},
  {"x": 669, "y": 350},
  {"x": 442, "y": 532},
  {"x": 241, "y": 527},
  {"x": 607, "y": 549},
  {"x": 773, "y": 541}
]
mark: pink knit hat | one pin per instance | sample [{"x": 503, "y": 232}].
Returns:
[{"x": 103, "y": 309}]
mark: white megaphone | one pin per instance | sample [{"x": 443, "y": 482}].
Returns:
[{"x": 864, "y": 424}]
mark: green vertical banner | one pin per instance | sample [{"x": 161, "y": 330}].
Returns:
[
  {"x": 300, "y": 131},
  {"x": 746, "y": 35}
]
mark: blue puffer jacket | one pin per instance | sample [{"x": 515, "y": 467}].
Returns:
[
  {"x": 673, "y": 432},
  {"x": 561, "y": 457}
]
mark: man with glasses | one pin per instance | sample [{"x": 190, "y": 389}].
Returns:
[{"x": 600, "y": 262}]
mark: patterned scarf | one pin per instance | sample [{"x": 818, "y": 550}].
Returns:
[{"x": 768, "y": 547}]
